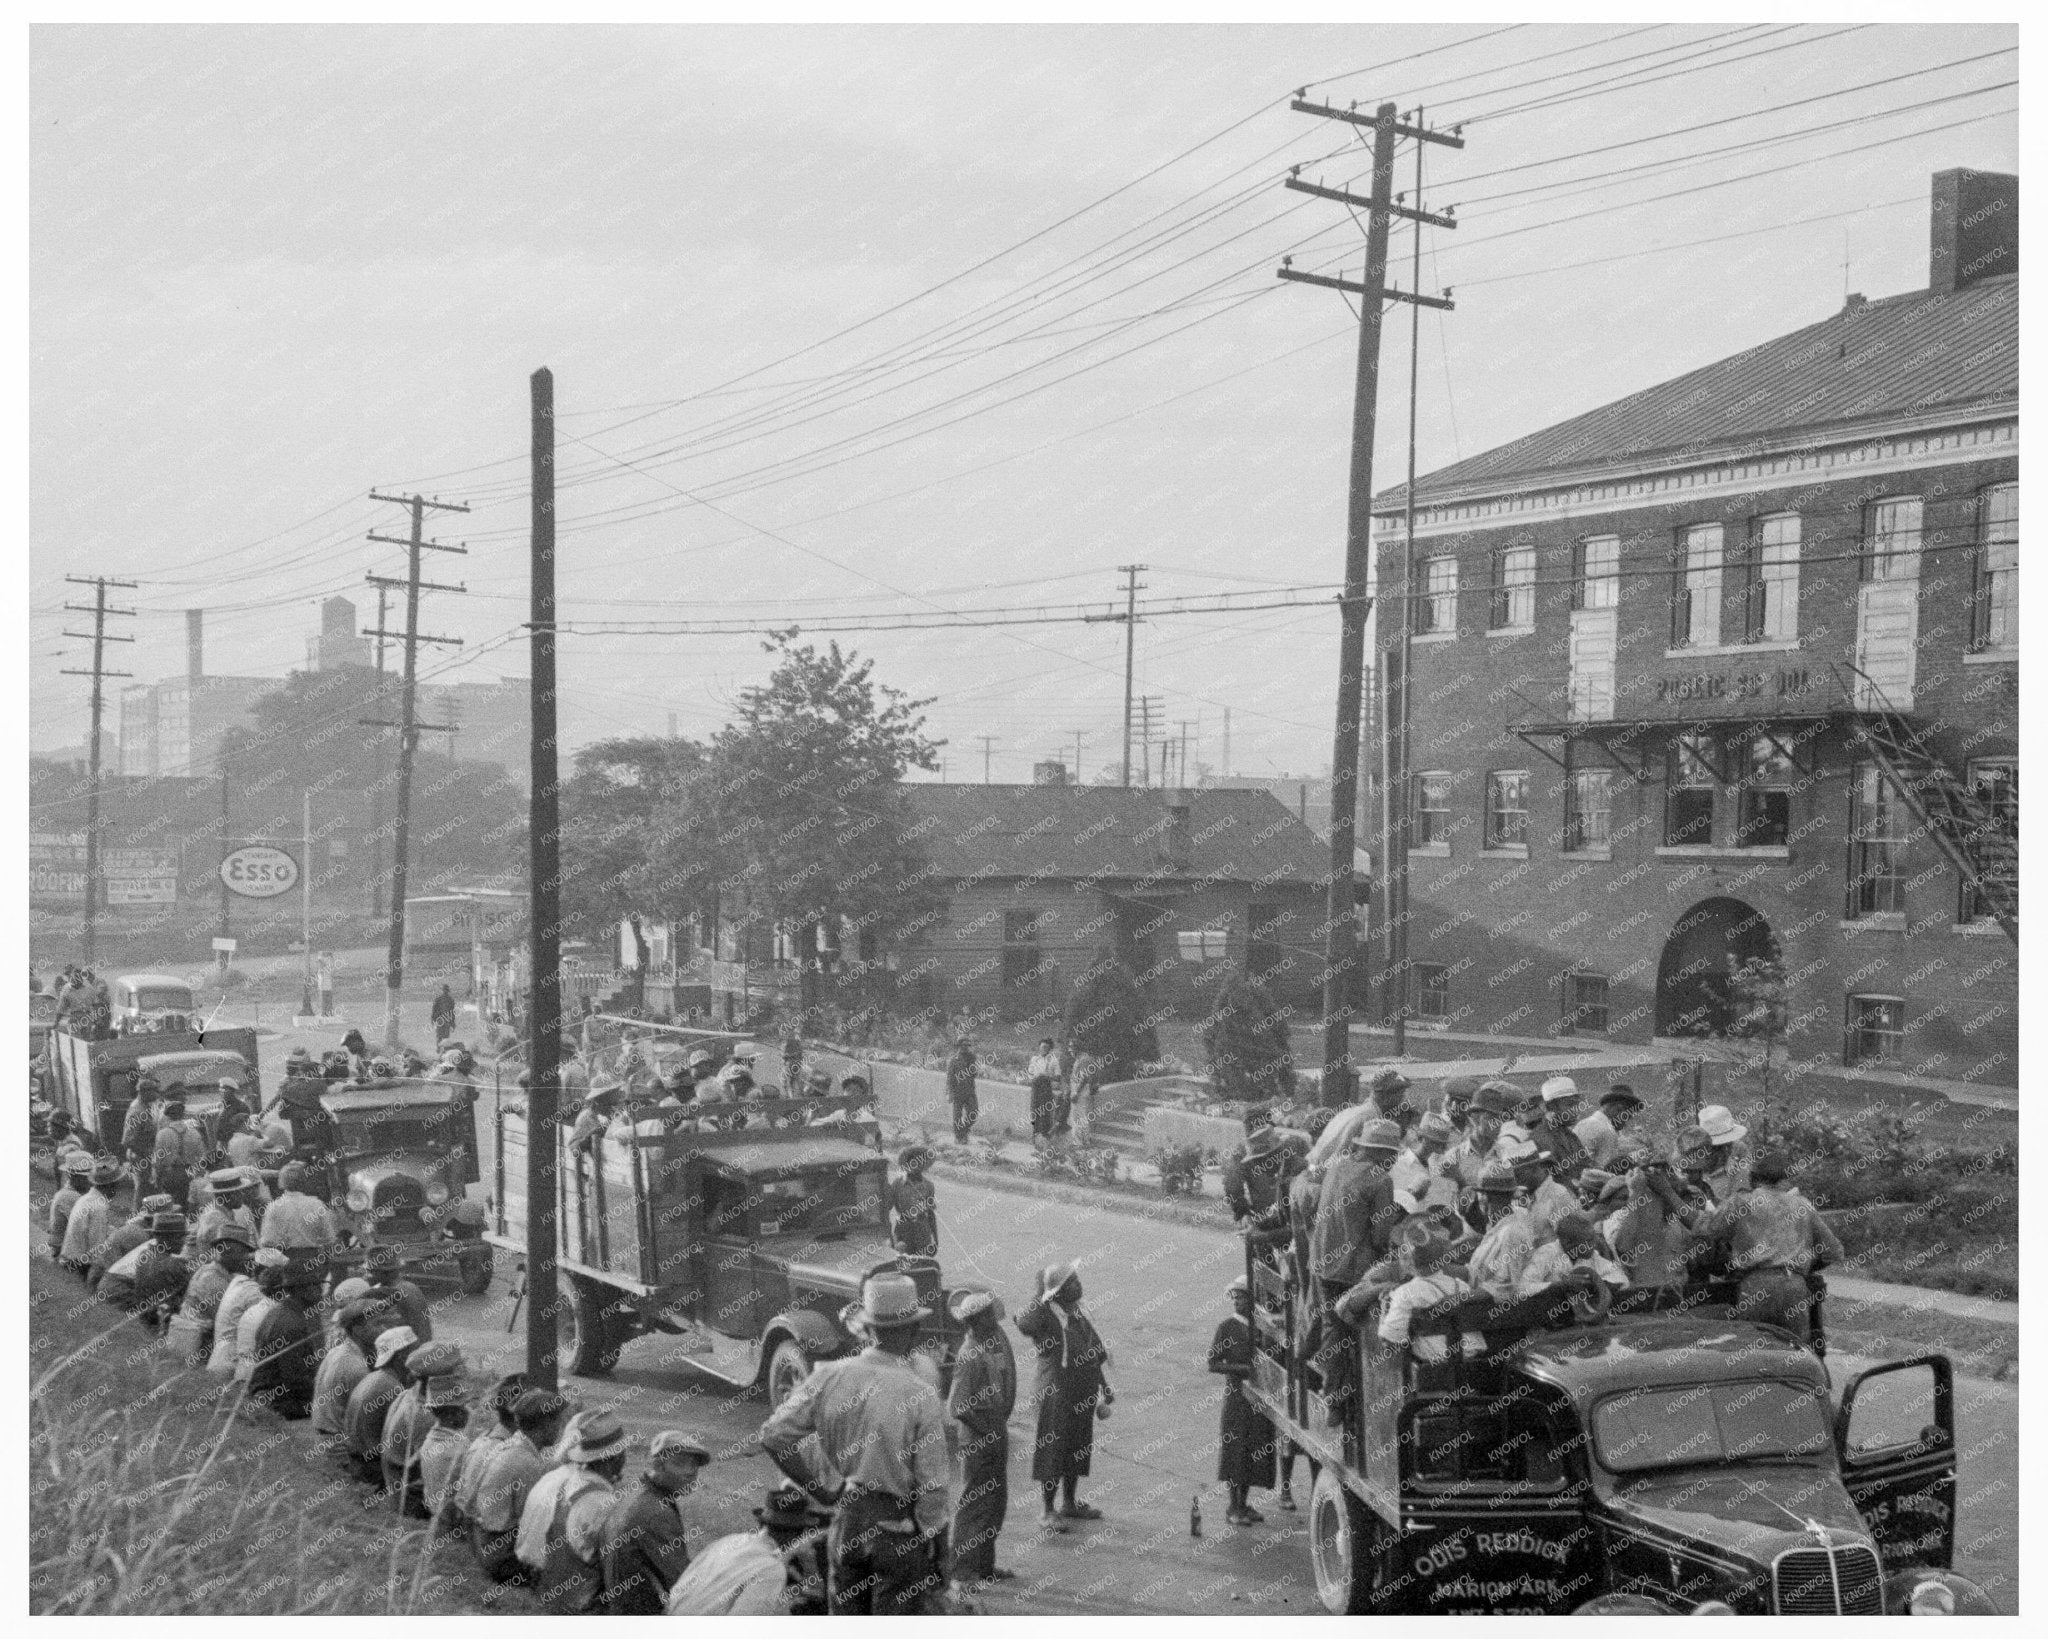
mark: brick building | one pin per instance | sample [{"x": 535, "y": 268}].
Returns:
[{"x": 1728, "y": 670}]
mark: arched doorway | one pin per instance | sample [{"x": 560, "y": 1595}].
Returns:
[{"x": 1707, "y": 943}]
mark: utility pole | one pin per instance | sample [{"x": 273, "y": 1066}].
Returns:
[
  {"x": 408, "y": 728},
  {"x": 544, "y": 1048},
  {"x": 1077, "y": 756},
  {"x": 377, "y": 784},
  {"x": 1185, "y": 725},
  {"x": 987, "y": 746},
  {"x": 1226, "y": 742},
  {"x": 1129, "y": 619},
  {"x": 306, "y": 896},
  {"x": 1341, "y": 908},
  {"x": 1145, "y": 706},
  {"x": 101, "y": 637}
]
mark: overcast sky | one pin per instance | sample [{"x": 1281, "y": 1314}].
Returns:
[{"x": 881, "y": 319}]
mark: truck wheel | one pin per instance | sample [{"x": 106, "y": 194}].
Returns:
[
  {"x": 585, "y": 1339},
  {"x": 474, "y": 1269},
  {"x": 1340, "y": 1539},
  {"x": 788, "y": 1366}
]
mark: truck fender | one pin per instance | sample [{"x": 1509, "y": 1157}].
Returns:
[{"x": 820, "y": 1338}]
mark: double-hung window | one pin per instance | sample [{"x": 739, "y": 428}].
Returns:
[
  {"x": 1764, "y": 817},
  {"x": 1432, "y": 991},
  {"x": 1877, "y": 879},
  {"x": 1696, "y": 594},
  {"x": 1512, "y": 603},
  {"x": 1438, "y": 609},
  {"x": 1596, "y": 578},
  {"x": 1995, "y": 589},
  {"x": 1432, "y": 811},
  {"x": 1995, "y": 783},
  {"x": 1770, "y": 580},
  {"x": 1891, "y": 539},
  {"x": 1690, "y": 781},
  {"x": 1588, "y": 809},
  {"x": 1507, "y": 808},
  {"x": 1585, "y": 1004},
  {"x": 1877, "y": 1030}
]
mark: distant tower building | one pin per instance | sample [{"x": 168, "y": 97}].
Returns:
[{"x": 339, "y": 643}]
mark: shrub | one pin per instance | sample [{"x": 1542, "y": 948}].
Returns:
[
  {"x": 1246, "y": 1043},
  {"x": 1105, "y": 1016},
  {"x": 1180, "y": 1168}
]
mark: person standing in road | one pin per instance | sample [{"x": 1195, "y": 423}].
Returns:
[
  {"x": 295, "y": 1221},
  {"x": 913, "y": 1206},
  {"x": 443, "y": 1015},
  {"x": 1072, "y": 1392},
  {"x": 961, "y": 1070},
  {"x": 642, "y": 1545},
  {"x": 178, "y": 1152},
  {"x": 1043, "y": 1072},
  {"x": 983, "y": 1396},
  {"x": 138, "y": 1127},
  {"x": 92, "y": 1219},
  {"x": 880, "y": 1463},
  {"x": 1600, "y": 1133},
  {"x": 1246, "y": 1452}
]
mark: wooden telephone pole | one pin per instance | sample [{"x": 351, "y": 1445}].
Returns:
[
  {"x": 544, "y": 1048},
  {"x": 101, "y": 637},
  {"x": 1340, "y": 948},
  {"x": 408, "y": 727}
]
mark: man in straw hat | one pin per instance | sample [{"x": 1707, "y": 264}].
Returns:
[
  {"x": 1727, "y": 1165},
  {"x": 560, "y": 1525},
  {"x": 984, "y": 1394},
  {"x": 881, "y": 1443},
  {"x": 370, "y": 1402},
  {"x": 1482, "y": 1144},
  {"x": 642, "y": 1546},
  {"x": 149, "y": 1281},
  {"x": 1255, "y": 1185},
  {"x": 92, "y": 1219},
  {"x": 1245, "y": 1440},
  {"x": 1072, "y": 1392},
  {"x": 1553, "y": 1134},
  {"x": 229, "y": 1201}
]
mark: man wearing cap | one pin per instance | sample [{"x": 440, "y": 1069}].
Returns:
[
  {"x": 1355, "y": 1223},
  {"x": 508, "y": 1479},
  {"x": 881, "y": 1458},
  {"x": 1389, "y": 1097},
  {"x": 1727, "y": 1170},
  {"x": 1255, "y": 1183},
  {"x": 984, "y": 1394},
  {"x": 1458, "y": 1093},
  {"x": 407, "y": 1422},
  {"x": 961, "y": 1070},
  {"x": 92, "y": 1219},
  {"x": 395, "y": 1296},
  {"x": 1483, "y": 1142},
  {"x": 1776, "y": 1239},
  {"x": 296, "y": 1221},
  {"x": 1549, "y": 1200},
  {"x": 288, "y": 1344},
  {"x": 126, "y": 1236},
  {"x": 485, "y": 1444},
  {"x": 77, "y": 1170},
  {"x": 560, "y": 1526},
  {"x": 1503, "y": 1252},
  {"x": 370, "y": 1402},
  {"x": 1418, "y": 1173},
  {"x": 1552, "y": 1132},
  {"x": 345, "y": 1364},
  {"x": 642, "y": 1547},
  {"x": 149, "y": 1281},
  {"x": 785, "y": 1521},
  {"x": 138, "y": 1127},
  {"x": 1245, "y": 1440},
  {"x": 443, "y": 1448},
  {"x": 1071, "y": 1392},
  {"x": 273, "y": 1273},
  {"x": 913, "y": 1206},
  {"x": 1600, "y": 1133}
]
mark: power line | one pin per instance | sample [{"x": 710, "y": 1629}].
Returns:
[{"x": 100, "y": 637}]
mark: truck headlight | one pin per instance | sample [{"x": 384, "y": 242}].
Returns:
[
  {"x": 358, "y": 1199},
  {"x": 437, "y": 1192}
]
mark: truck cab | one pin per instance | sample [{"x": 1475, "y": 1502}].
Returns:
[
  {"x": 151, "y": 1004},
  {"x": 1664, "y": 1456}
]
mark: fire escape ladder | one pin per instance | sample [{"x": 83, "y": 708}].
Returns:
[{"x": 1968, "y": 834}]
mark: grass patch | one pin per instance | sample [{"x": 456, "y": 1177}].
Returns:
[{"x": 150, "y": 1494}]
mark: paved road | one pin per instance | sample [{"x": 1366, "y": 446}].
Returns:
[{"x": 1156, "y": 1292}]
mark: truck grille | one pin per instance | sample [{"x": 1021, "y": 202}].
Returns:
[{"x": 1842, "y": 1581}]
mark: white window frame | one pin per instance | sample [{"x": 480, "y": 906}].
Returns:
[
  {"x": 1598, "y": 582},
  {"x": 1512, "y": 604},
  {"x": 1969, "y": 913},
  {"x": 1774, "y": 568},
  {"x": 1856, "y": 1029},
  {"x": 1495, "y": 842},
  {"x": 1574, "y": 810},
  {"x": 1437, "y": 610},
  {"x": 1891, "y": 541},
  {"x": 1416, "y": 837},
  {"x": 1995, "y": 594},
  {"x": 1702, "y": 554}
]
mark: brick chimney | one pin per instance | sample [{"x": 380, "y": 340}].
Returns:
[
  {"x": 195, "y": 645},
  {"x": 1974, "y": 229}
]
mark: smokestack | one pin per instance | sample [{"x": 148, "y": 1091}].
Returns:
[
  {"x": 1973, "y": 230},
  {"x": 195, "y": 645}
]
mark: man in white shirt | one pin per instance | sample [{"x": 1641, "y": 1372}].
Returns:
[
  {"x": 1577, "y": 1247},
  {"x": 1419, "y": 1173},
  {"x": 1427, "y": 1286},
  {"x": 1601, "y": 1131},
  {"x": 1503, "y": 1252}
]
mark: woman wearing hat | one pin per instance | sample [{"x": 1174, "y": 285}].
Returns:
[
  {"x": 984, "y": 1394},
  {"x": 1072, "y": 1391},
  {"x": 1245, "y": 1458}
]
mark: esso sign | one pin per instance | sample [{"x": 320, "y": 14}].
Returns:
[{"x": 259, "y": 873}]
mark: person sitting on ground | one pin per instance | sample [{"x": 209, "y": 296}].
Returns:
[
  {"x": 508, "y": 1479},
  {"x": 243, "y": 1293},
  {"x": 190, "y": 1332},
  {"x": 642, "y": 1544},
  {"x": 1600, "y": 1133},
  {"x": 77, "y": 1172},
  {"x": 486, "y": 1444},
  {"x": 351, "y": 1349},
  {"x": 371, "y": 1400},
  {"x": 443, "y": 1449},
  {"x": 560, "y": 1526},
  {"x": 913, "y": 1206},
  {"x": 1577, "y": 1246},
  {"x": 395, "y": 1296},
  {"x": 229, "y": 1203},
  {"x": 273, "y": 1274},
  {"x": 125, "y": 1237},
  {"x": 149, "y": 1282},
  {"x": 406, "y": 1425},
  {"x": 288, "y": 1344}
]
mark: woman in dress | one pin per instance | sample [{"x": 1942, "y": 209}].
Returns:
[{"x": 1072, "y": 1392}]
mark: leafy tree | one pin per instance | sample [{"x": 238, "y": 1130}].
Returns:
[
  {"x": 620, "y": 793},
  {"x": 1246, "y": 1042},
  {"x": 1105, "y": 1016},
  {"x": 796, "y": 815}
]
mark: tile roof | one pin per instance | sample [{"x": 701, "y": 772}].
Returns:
[
  {"x": 1903, "y": 355},
  {"x": 1063, "y": 832}
]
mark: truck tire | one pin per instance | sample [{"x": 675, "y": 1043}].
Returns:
[
  {"x": 788, "y": 1366},
  {"x": 586, "y": 1340},
  {"x": 1340, "y": 1538},
  {"x": 473, "y": 1267}
]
